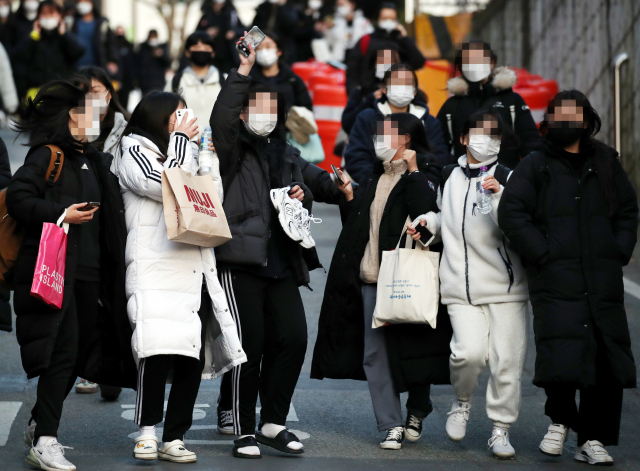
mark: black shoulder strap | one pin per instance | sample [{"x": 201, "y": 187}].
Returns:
[
  {"x": 540, "y": 169},
  {"x": 175, "y": 82},
  {"x": 502, "y": 174},
  {"x": 446, "y": 173}
]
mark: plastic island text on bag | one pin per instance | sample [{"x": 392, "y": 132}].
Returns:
[{"x": 48, "y": 278}]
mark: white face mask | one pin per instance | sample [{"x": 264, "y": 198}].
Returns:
[
  {"x": 388, "y": 25},
  {"x": 68, "y": 22},
  {"x": 343, "y": 10},
  {"x": 31, "y": 5},
  {"x": 476, "y": 72},
  {"x": 483, "y": 147},
  {"x": 101, "y": 102},
  {"x": 4, "y": 11},
  {"x": 84, "y": 8},
  {"x": 400, "y": 95},
  {"x": 384, "y": 151},
  {"x": 49, "y": 23},
  {"x": 267, "y": 57},
  {"x": 381, "y": 69},
  {"x": 315, "y": 4},
  {"x": 261, "y": 124},
  {"x": 274, "y": 1},
  {"x": 153, "y": 42}
]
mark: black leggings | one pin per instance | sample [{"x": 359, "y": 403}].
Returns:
[
  {"x": 153, "y": 372},
  {"x": 77, "y": 332},
  {"x": 272, "y": 306}
]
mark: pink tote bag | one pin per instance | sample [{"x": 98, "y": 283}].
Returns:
[{"x": 48, "y": 278}]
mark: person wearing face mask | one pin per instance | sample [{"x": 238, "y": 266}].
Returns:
[
  {"x": 349, "y": 25},
  {"x": 49, "y": 52},
  {"x": 482, "y": 85},
  {"x": 220, "y": 21},
  {"x": 5, "y": 14},
  {"x": 278, "y": 76},
  {"x": 93, "y": 31},
  {"x": 399, "y": 95},
  {"x": 572, "y": 213},
  {"x": 60, "y": 344},
  {"x": 261, "y": 268},
  {"x": 152, "y": 61},
  {"x": 280, "y": 17},
  {"x": 396, "y": 358},
  {"x": 201, "y": 81},
  {"x": 487, "y": 299},
  {"x": 388, "y": 34}
]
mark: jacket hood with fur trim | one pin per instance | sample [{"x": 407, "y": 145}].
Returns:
[{"x": 502, "y": 79}]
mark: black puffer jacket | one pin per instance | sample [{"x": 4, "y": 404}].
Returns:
[
  {"x": 418, "y": 354},
  {"x": 245, "y": 179},
  {"x": 31, "y": 203},
  {"x": 575, "y": 252},
  {"x": 498, "y": 96}
]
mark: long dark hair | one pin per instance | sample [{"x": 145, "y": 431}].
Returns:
[
  {"x": 114, "y": 105},
  {"x": 151, "y": 118},
  {"x": 420, "y": 95},
  {"x": 414, "y": 127},
  {"x": 280, "y": 132},
  {"x": 603, "y": 160},
  {"x": 46, "y": 117}
]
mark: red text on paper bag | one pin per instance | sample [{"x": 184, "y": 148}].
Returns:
[{"x": 202, "y": 201}]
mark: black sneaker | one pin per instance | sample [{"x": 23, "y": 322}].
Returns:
[
  {"x": 225, "y": 422},
  {"x": 394, "y": 439},
  {"x": 413, "y": 427}
]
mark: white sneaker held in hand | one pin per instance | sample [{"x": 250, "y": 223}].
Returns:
[
  {"x": 175, "y": 451},
  {"x": 457, "y": 421},
  {"x": 553, "y": 441},
  {"x": 50, "y": 456},
  {"x": 288, "y": 211},
  {"x": 307, "y": 241},
  {"x": 499, "y": 444},
  {"x": 593, "y": 452},
  {"x": 146, "y": 447},
  {"x": 394, "y": 439}
]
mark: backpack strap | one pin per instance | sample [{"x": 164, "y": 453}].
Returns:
[
  {"x": 450, "y": 128},
  {"x": 55, "y": 165},
  {"x": 446, "y": 173},
  {"x": 175, "y": 82},
  {"x": 502, "y": 174},
  {"x": 364, "y": 43}
]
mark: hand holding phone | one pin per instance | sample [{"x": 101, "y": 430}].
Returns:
[
  {"x": 185, "y": 122},
  {"x": 338, "y": 175},
  {"x": 254, "y": 38},
  {"x": 89, "y": 206},
  {"x": 419, "y": 231}
]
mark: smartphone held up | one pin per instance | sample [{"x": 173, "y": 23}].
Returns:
[{"x": 253, "y": 37}]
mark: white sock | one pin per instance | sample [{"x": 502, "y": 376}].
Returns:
[
  {"x": 249, "y": 450},
  {"x": 272, "y": 430},
  {"x": 148, "y": 430},
  {"x": 43, "y": 440}
]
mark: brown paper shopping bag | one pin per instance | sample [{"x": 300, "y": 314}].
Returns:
[{"x": 192, "y": 210}]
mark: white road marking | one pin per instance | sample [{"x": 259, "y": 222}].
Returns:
[
  {"x": 631, "y": 287},
  {"x": 8, "y": 413}
]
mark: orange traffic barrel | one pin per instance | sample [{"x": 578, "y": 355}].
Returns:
[
  {"x": 536, "y": 99},
  {"x": 305, "y": 70},
  {"x": 329, "y": 102}
]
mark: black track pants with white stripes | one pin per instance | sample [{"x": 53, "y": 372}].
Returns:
[
  {"x": 263, "y": 305},
  {"x": 152, "y": 378}
]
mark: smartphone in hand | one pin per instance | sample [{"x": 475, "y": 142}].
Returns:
[
  {"x": 182, "y": 114},
  {"x": 337, "y": 175},
  {"x": 253, "y": 37},
  {"x": 425, "y": 235},
  {"x": 90, "y": 206}
]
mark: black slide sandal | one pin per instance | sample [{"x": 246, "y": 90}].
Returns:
[
  {"x": 280, "y": 442},
  {"x": 242, "y": 443}
]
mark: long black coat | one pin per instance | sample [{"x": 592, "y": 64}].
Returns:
[
  {"x": 30, "y": 202},
  {"x": 418, "y": 354},
  {"x": 575, "y": 252}
]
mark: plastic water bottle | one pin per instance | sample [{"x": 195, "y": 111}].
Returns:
[
  {"x": 205, "y": 156},
  {"x": 483, "y": 197}
]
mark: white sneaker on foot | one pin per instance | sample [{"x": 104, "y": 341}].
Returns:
[
  {"x": 457, "y": 421},
  {"x": 593, "y": 452},
  {"x": 29, "y": 433},
  {"x": 86, "y": 387},
  {"x": 394, "y": 439},
  {"x": 499, "y": 444},
  {"x": 288, "y": 212},
  {"x": 50, "y": 457},
  {"x": 146, "y": 447},
  {"x": 553, "y": 441},
  {"x": 175, "y": 451}
]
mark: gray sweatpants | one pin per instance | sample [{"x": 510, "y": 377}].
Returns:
[{"x": 385, "y": 399}]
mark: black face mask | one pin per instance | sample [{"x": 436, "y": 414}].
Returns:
[
  {"x": 200, "y": 58},
  {"x": 564, "y": 133}
]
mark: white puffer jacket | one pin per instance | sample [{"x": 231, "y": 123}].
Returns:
[
  {"x": 478, "y": 265},
  {"x": 164, "y": 278}
]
